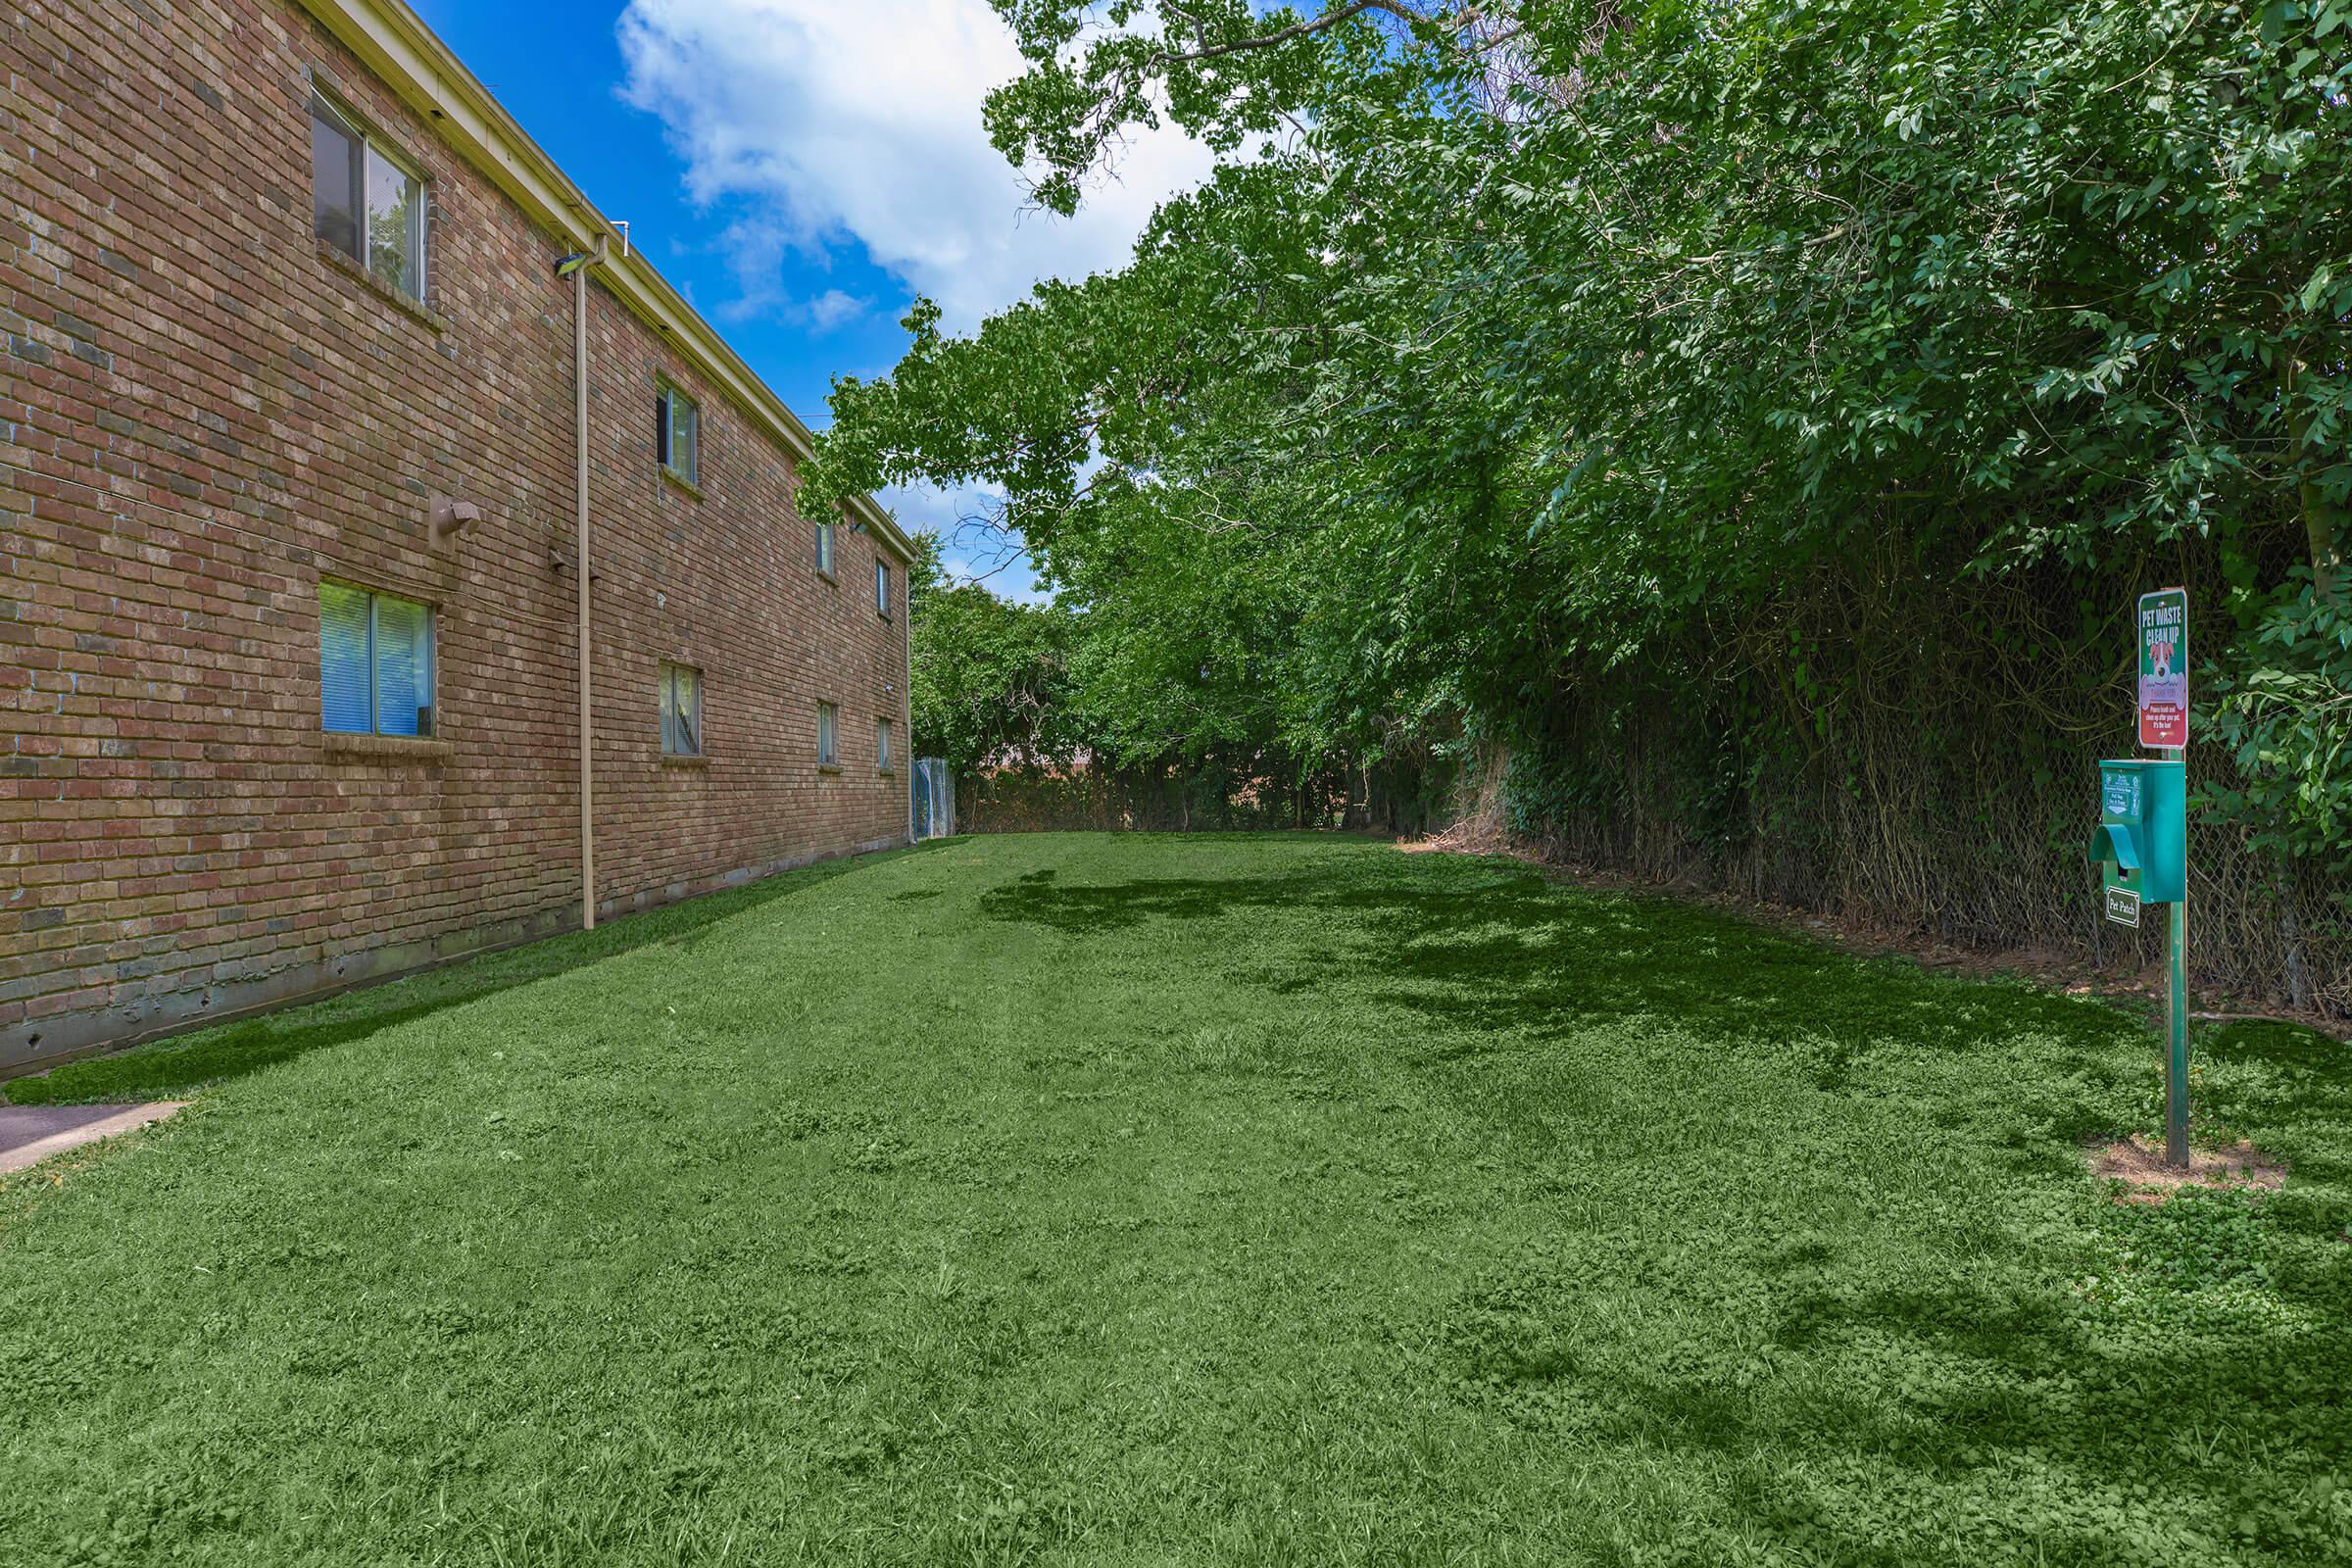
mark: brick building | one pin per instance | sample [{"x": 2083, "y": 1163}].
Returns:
[{"x": 289, "y": 609}]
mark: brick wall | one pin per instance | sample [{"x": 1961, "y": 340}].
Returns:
[{"x": 203, "y": 411}]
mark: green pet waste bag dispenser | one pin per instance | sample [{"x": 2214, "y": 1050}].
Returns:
[{"x": 2142, "y": 843}]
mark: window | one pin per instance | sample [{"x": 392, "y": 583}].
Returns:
[
  {"x": 364, "y": 204},
  {"x": 678, "y": 433},
  {"x": 882, "y": 587},
  {"x": 375, "y": 663},
  {"x": 827, "y": 724},
  {"x": 824, "y": 548},
  {"x": 681, "y": 710},
  {"x": 882, "y": 745}
]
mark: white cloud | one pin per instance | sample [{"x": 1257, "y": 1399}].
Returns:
[
  {"x": 832, "y": 308},
  {"x": 861, "y": 118},
  {"x": 756, "y": 264}
]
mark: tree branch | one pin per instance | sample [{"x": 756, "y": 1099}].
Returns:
[{"x": 1297, "y": 29}]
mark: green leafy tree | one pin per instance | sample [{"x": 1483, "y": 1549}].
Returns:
[
  {"x": 990, "y": 675},
  {"x": 1734, "y": 411}
]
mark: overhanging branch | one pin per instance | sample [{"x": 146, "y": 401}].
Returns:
[{"x": 1307, "y": 29}]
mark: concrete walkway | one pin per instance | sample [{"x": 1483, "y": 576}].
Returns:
[{"x": 29, "y": 1133}]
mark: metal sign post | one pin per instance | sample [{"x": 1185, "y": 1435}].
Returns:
[
  {"x": 2163, "y": 623},
  {"x": 2142, "y": 843},
  {"x": 2175, "y": 1071}
]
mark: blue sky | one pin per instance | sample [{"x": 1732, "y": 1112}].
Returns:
[
  {"x": 802, "y": 168},
  {"x": 558, "y": 68}
]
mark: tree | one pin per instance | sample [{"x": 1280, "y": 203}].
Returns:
[
  {"x": 990, "y": 676},
  {"x": 1723, "y": 406}
]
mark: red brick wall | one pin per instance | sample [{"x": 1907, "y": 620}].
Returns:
[{"x": 202, "y": 411}]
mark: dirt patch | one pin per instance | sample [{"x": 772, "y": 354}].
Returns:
[{"x": 2136, "y": 1171}]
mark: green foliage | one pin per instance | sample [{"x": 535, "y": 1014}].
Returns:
[
  {"x": 2285, "y": 715},
  {"x": 1827, "y": 373},
  {"x": 989, "y": 677}
]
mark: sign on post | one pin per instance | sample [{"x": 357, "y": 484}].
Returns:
[
  {"x": 2164, "y": 668},
  {"x": 2141, "y": 844}
]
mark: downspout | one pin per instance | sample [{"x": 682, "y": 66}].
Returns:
[
  {"x": 577, "y": 265},
  {"x": 579, "y": 481},
  {"x": 914, "y": 758}
]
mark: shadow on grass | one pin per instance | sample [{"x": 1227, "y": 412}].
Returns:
[
  {"x": 1041, "y": 899},
  {"x": 171, "y": 1066},
  {"x": 1514, "y": 954},
  {"x": 1989, "y": 1383},
  {"x": 2289, "y": 1089},
  {"x": 1877, "y": 1405}
]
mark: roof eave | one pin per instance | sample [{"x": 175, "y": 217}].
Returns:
[{"x": 391, "y": 42}]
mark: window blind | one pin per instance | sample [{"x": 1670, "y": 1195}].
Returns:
[
  {"x": 375, "y": 663},
  {"x": 343, "y": 676},
  {"x": 404, "y": 667}
]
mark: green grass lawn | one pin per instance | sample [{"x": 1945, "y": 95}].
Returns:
[{"x": 1176, "y": 1201}]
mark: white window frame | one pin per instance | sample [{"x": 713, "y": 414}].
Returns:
[
  {"x": 370, "y": 145},
  {"x": 828, "y": 735},
  {"x": 882, "y": 745}
]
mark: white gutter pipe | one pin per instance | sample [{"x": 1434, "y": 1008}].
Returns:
[
  {"x": 580, "y": 419},
  {"x": 576, "y": 266}
]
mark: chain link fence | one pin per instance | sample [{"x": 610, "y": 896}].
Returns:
[{"x": 1959, "y": 843}]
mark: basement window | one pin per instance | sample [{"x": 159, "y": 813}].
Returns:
[
  {"x": 828, "y": 722},
  {"x": 366, "y": 203},
  {"x": 375, "y": 663},
  {"x": 681, "y": 710},
  {"x": 678, "y": 433},
  {"x": 824, "y": 548}
]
